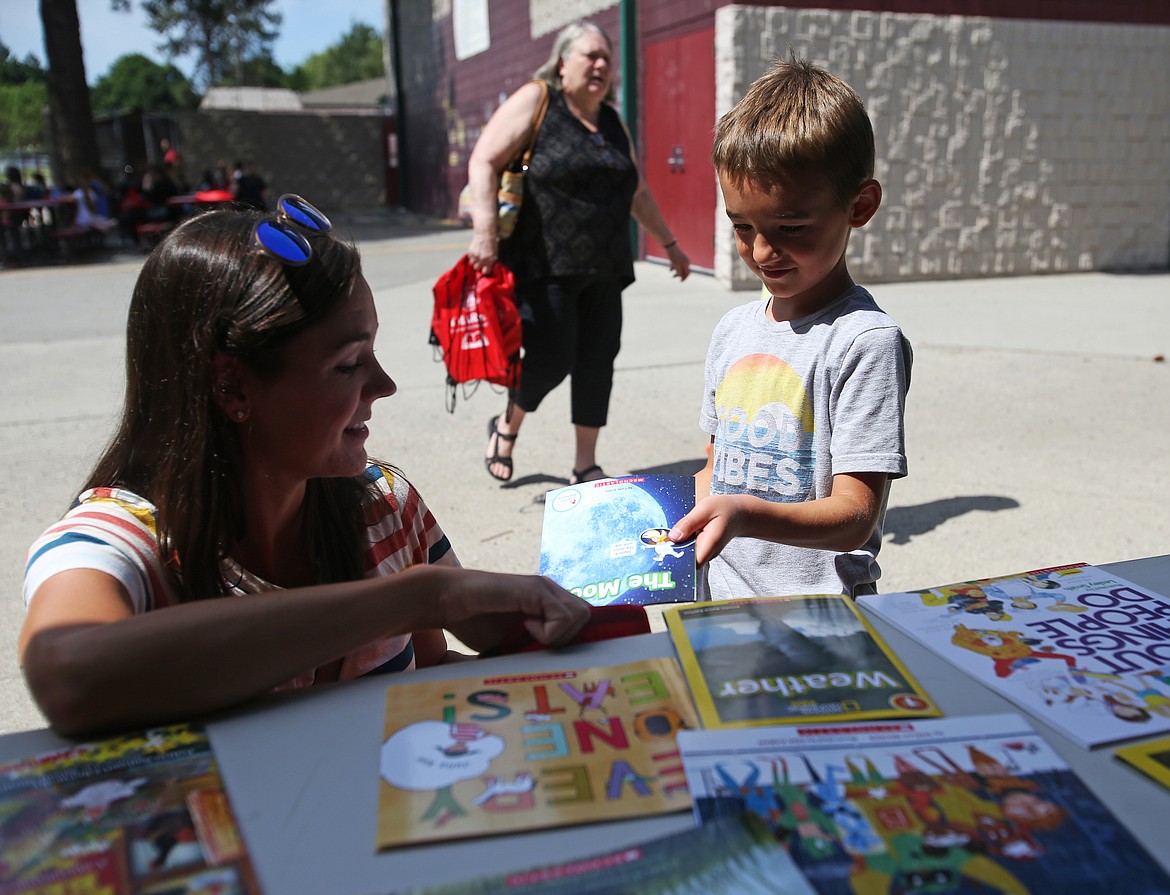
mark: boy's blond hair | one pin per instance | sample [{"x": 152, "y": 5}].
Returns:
[{"x": 797, "y": 117}]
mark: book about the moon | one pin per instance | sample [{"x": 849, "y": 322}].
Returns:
[
  {"x": 490, "y": 755},
  {"x": 606, "y": 541},
  {"x": 143, "y": 814},
  {"x": 963, "y": 806},
  {"x": 1076, "y": 645},
  {"x": 783, "y": 660}
]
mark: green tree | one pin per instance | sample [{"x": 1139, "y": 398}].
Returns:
[
  {"x": 258, "y": 71},
  {"x": 356, "y": 57},
  {"x": 23, "y": 98},
  {"x": 17, "y": 71},
  {"x": 22, "y": 115},
  {"x": 221, "y": 34},
  {"x": 137, "y": 82}
]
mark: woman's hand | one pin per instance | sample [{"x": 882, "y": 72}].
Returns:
[
  {"x": 482, "y": 608},
  {"x": 680, "y": 264},
  {"x": 483, "y": 252}
]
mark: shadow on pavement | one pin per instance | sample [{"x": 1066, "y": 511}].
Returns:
[{"x": 904, "y": 523}]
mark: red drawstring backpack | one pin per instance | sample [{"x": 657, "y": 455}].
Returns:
[{"x": 476, "y": 327}]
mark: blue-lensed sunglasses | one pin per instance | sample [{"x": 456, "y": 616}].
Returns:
[{"x": 280, "y": 233}]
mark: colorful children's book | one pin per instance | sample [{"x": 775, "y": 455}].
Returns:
[
  {"x": 144, "y": 814},
  {"x": 1085, "y": 650},
  {"x": 957, "y": 805},
  {"x": 1153, "y": 758},
  {"x": 729, "y": 854},
  {"x": 606, "y": 541},
  {"x": 782, "y": 660},
  {"x": 482, "y": 756}
]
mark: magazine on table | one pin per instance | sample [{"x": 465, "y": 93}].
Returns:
[
  {"x": 1080, "y": 647},
  {"x": 134, "y": 815},
  {"x": 606, "y": 541},
  {"x": 489, "y": 755},
  {"x": 729, "y": 854},
  {"x": 790, "y": 660},
  {"x": 1152, "y": 758},
  {"x": 958, "y": 805}
]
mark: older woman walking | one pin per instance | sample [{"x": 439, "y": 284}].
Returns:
[{"x": 571, "y": 250}]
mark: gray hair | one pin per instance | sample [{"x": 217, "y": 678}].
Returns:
[{"x": 550, "y": 72}]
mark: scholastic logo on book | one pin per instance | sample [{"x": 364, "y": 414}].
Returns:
[
  {"x": 577, "y": 868},
  {"x": 839, "y": 730},
  {"x": 525, "y": 678}
]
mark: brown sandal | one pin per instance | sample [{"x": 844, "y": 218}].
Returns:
[
  {"x": 578, "y": 477},
  {"x": 495, "y": 458}
]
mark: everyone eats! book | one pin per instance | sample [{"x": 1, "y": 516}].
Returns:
[
  {"x": 509, "y": 752},
  {"x": 606, "y": 540},
  {"x": 1079, "y": 647},
  {"x": 781, "y": 660},
  {"x": 967, "y": 805},
  {"x": 135, "y": 815},
  {"x": 728, "y": 854}
]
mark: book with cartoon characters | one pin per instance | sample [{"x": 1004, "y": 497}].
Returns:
[
  {"x": 144, "y": 814},
  {"x": 606, "y": 540},
  {"x": 1152, "y": 758},
  {"x": 729, "y": 854},
  {"x": 483, "y": 756},
  {"x": 1080, "y": 647},
  {"x": 957, "y": 805},
  {"x": 775, "y": 660}
]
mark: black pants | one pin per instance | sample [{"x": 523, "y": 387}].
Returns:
[{"x": 572, "y": 326}]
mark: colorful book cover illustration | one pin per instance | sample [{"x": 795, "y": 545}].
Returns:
[
  {"x": 483, "y": 756},
  {"x": 728, "y": 854},
  {"x": 1085, "y": 650},
  {"x": 144, "y": 814},
  {"x": 783, "y": 660},
  {"x": 606, "y": 541},
  {"x": 1152, "y": 758},
  {"x": 957, "y": 805}
]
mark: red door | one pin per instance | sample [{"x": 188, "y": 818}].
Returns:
[{"x": 679, "y": 117}]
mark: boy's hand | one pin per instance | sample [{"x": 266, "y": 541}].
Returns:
[{"x": 712, "y": 523}]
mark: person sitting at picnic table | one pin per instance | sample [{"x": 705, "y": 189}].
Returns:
[{"x": 234, "y": 538}]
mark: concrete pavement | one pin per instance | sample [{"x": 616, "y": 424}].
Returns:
[{"x": 1037, "y": 422}]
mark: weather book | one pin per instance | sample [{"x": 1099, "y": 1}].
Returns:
[
  {"x": 1152, "y": 758},
  {"x": 965, "y": 806},
  {"x": 606, "y": 541},
  {"x": 501, "y": 754},
  {"x": 136, "y": 815},
  {"x": 729, "y": 854},
  {"x": 1079, "y": 647},
  {"x": 783, "y": 660}
]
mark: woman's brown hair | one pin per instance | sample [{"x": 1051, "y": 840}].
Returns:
[{"x": 208, "y": 289}]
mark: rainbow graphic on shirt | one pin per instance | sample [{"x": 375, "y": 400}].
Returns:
[{"x": 765, "y": 440}]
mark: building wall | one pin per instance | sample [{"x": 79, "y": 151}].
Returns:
[
  {"x": 1005, "y": 146},
  {"x": 1014, "y": 136},
  {"x": 334, "y": 160}
]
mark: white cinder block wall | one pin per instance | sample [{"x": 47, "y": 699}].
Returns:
[{"x": 1004, "y": 147}]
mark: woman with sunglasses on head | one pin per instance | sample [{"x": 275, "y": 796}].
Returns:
[
  {"x": 233, "y": 538},
  {"x": 570, "y": 250}
]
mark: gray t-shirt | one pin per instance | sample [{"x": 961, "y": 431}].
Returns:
[{"x": 791, "y": 405}]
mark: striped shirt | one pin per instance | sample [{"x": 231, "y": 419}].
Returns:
[{"x": 115, "y": 531}]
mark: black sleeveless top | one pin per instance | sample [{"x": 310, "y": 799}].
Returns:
[{"x": 577, "y": 197}]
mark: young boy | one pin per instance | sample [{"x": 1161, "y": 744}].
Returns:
[{"x": 804, "y": 392}]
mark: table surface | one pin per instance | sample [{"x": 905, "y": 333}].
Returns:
[{"x": 302, "y": 772}]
